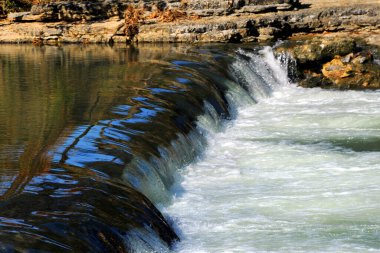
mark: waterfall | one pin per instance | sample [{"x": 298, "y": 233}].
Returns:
[
  {"x": 260, "y": 73},
  {"x": 296, "y": 171},
  {"x": 189, "y": 149}
]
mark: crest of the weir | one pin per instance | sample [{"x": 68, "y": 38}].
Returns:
[{"x": 90, "y": 181}]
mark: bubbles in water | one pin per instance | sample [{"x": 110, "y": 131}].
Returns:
[{"x": 297, "y": 172}]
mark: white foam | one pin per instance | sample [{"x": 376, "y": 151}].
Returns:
[{"x": 292, "y": 173}]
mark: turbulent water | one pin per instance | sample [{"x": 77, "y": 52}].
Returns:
[
  {"x": 181, "y": 149},
  {"x": 297, "y": 172}
]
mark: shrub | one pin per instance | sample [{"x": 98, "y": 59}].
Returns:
[
  {"x": 172, "y": 15},
  {"x": 132, "y": 18}
]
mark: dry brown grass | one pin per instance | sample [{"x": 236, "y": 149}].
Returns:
[
  {"x": 172, "y": 15},
  {"x": 133, "y": 17}
]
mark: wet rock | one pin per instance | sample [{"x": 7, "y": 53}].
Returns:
[
  {"x": 315, "y": 80},
  {"x": 336, "y": 69},
  {"x": 319, "y": 49},
  {"x": 331, "y": 62},
  {"x": 353, "y": 72}
]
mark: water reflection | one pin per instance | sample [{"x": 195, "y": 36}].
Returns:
[
  {"x": 85, "y": 130},
  {"x": 47, "y": 91}
]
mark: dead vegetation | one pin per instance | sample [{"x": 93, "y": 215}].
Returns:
[
  {"x": 135, "y": 16},
  {"x": 172, "y": 15},
  {"x": 132, "y": 17},
  {"x": 168, "y": 15}
]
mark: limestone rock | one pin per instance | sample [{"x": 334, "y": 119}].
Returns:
[
  {"x": 314, "y": 81},
  {"x": 208, "y": 12},
  {"x": 257, "y": 9},
  {"x": 268, "y": 33},
  {"x": 337, "y": 69},
  {"x": 319, "y": 49},
  {"x": 331, "y": 62},
  {"x": 17, "y": 16},
  {"x": 197, "y": 25},
  {"x": 65, "y": 10},
  {"x": 79, "y": 11},
  {"x": 353, "y": 72}
]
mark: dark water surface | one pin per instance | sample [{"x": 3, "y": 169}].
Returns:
[
  {"x": 100, "y": 152},
  {"x": 91, "y": 136}
]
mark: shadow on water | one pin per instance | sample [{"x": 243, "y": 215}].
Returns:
[{"x": 91, "y": 137}]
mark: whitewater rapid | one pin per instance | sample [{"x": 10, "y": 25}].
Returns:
[{"x": 298, "y": 170}]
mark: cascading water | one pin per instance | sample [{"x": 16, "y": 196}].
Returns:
[
  {"x": 296, "y": 172},
  {"x": 120, "y": 142}
]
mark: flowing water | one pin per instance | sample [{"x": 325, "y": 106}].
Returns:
[
  {"x": 184, "y": 149},
  {"x": 297, "y": 172}
]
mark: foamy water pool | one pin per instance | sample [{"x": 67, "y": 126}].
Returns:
[{"x": 299, "y": 171}]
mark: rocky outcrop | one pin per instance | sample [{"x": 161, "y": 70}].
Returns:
[
  {"x": 55, "y": 33},
  {"x": 189, "y": 21},
  {"x": 78, "y": 11},
  {"x": 263, "y": 27},
  {"x": 353, "y": 71},
  {"x": 319, "y": 49},
  {"x": 66, "y": 18},
  {"x": 331, "y": 62},
  {"x": 103, "y": 9}
]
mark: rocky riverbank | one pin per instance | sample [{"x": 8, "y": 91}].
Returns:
[
  {"x": 190, "y": 21},
  {"x": 326, "y": 39},
  {"x": 332, "y": 61}
]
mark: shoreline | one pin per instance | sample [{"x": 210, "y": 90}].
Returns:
[{"x": 359, "y": 20}]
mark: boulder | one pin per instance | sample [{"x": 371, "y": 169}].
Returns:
[
  {"x": 353, "y": 71},
  {"x": 315, "y": 80},
  {"x": 319, "y": 49},
  {"x": 331, "y": 62}
]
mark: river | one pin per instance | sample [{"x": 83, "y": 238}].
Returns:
[
  {"x": 182, "y": 149},
  {"x": 296, "y": 172}
]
